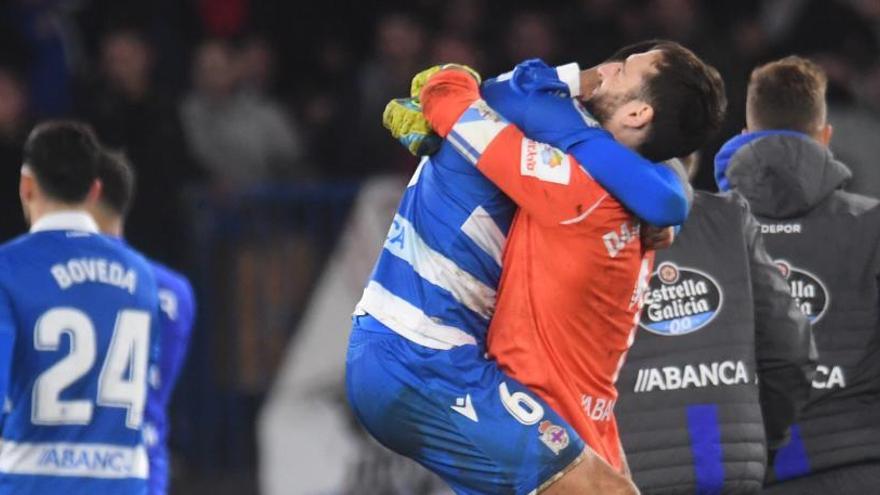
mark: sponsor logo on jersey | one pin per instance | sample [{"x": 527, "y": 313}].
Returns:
[
  {"x": 807, "y": 290},
  {"x": 544, "y": 162},
  {"x": 616, "y": 240},
  {"x": 465, "y": 407},
  {"x": 701, "y": 375},
  {"x": 598, "y": 408},
  {"x": 554, "y": 436},
  {"x": 829, "y": 377},
  {"x": 87, "y": 459},
  {"x": 679, "y": 300}
]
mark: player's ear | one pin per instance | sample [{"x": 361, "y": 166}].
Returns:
[
  {"x": 825, "y": 134},
  {"x": 638, "y": 114},
  {"x": 26, "y": 186},
  {"x": 95, "y": 192}
]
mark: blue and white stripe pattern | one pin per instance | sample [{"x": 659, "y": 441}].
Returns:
[{"x": 436, "y": 278}]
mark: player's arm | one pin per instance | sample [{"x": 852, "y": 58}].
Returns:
[
  {"x": 527, "y": 97},
  {"x": 784, "y": 347},
  {"x": 176, "y": 355},
  {"x": 541, "y": 180},
  {"x": 7, "y": 345}
]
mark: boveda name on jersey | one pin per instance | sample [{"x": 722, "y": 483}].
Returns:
[{"x": 679, "y": 300}]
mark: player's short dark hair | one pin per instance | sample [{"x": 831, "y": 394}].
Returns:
[
  {"x": 63, "y": 156},
  {"x": 687, "y": 96},
  {"x": 787, "y": 94},
  {"x": 117, "y": 181}
]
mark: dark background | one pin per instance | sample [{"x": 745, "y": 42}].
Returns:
[{"x": 246, "y": 118}]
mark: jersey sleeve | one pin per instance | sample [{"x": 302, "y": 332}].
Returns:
[
  {"x": 549, "y": 185},
  {"x": 535, "y": 98}
]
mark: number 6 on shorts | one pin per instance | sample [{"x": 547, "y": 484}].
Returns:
[{"x": 521, "y": 406}]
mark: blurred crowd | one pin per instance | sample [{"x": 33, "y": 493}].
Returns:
[{"x": 231, "y": 94}]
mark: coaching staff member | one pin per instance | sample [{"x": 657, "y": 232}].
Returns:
[
  {"x": 825, "y": 241},
  {"x": 717, "y": 315}
]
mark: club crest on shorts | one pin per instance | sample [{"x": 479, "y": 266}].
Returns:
[
  {"x": 554, "y": 436},
  {"x": 679, "y": 300},
  {"x": 807, "y": 290}
]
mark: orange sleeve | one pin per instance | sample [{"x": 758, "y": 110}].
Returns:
[
  {"x": 549, "y": 185},
  {"x": 446, "y": 96},
  {"x": 542, "y": 180}
]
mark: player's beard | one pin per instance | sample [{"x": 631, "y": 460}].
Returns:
[{"x": 603, "y": 106}]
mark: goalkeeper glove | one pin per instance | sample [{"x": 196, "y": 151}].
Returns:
[{"x": 404, "y": 118}]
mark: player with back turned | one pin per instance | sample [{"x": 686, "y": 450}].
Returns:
[
  {"x": 177, "y": 312},
  {"x": 826, "y": 241},
  {"x": 78, "y": 313}
]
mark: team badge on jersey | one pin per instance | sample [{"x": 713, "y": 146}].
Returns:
[
  {"x": 807, "y": 290},
  {"x": 679, "y": 300},
  {"x": 554, "y": 436}
]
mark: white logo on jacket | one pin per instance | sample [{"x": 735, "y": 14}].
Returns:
[{"x": 724, "y": 373}]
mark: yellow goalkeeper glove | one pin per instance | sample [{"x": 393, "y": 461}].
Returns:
[{"x": 404, "y": 118}]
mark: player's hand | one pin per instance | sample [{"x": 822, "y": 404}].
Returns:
[
  {"x": 534, "y": 75},
  {"x": 404, "y": 118},
  {"x": 654, "y": 238},
  {"x": 420, "y": 79}
]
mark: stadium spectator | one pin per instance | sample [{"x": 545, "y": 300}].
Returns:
[
  {"x": 827, "y": 244},
  {"x": 128, "y": 113},
  {"x": 399, "y": 53},
  {"x": 721, "y": 345},
  {"x": 49, "y": 35},
  {"x": 13, "y": 129},
  {"x": 327, "y": 102},
  {"x": 239, "y": 138},
  {"x": 529, "y": 34}
]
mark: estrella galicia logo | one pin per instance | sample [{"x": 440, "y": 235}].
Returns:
[
  {"x": 679, "y": 300},
  {"x": 807, "y": 290}
]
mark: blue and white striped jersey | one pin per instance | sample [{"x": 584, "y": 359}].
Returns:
[{"x": 78, "y": 317}]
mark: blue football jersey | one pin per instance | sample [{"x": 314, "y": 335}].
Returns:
[
  {"x": 79, "y": 316},
  {"x": 176, "y": 316}
]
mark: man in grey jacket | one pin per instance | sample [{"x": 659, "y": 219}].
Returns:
[
  {"x": 721, "y": 364},
  {"x": 827, "y": 243}
]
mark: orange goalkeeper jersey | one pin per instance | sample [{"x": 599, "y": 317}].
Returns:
[
  {"x": 567, "y": 308},
  {"x": 573, "y": 268}
]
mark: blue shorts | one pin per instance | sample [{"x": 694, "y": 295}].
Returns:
[{"x": 455, "y": 413}]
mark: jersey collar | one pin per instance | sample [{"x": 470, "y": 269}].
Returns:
[{"x": 66, "y": 220}]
